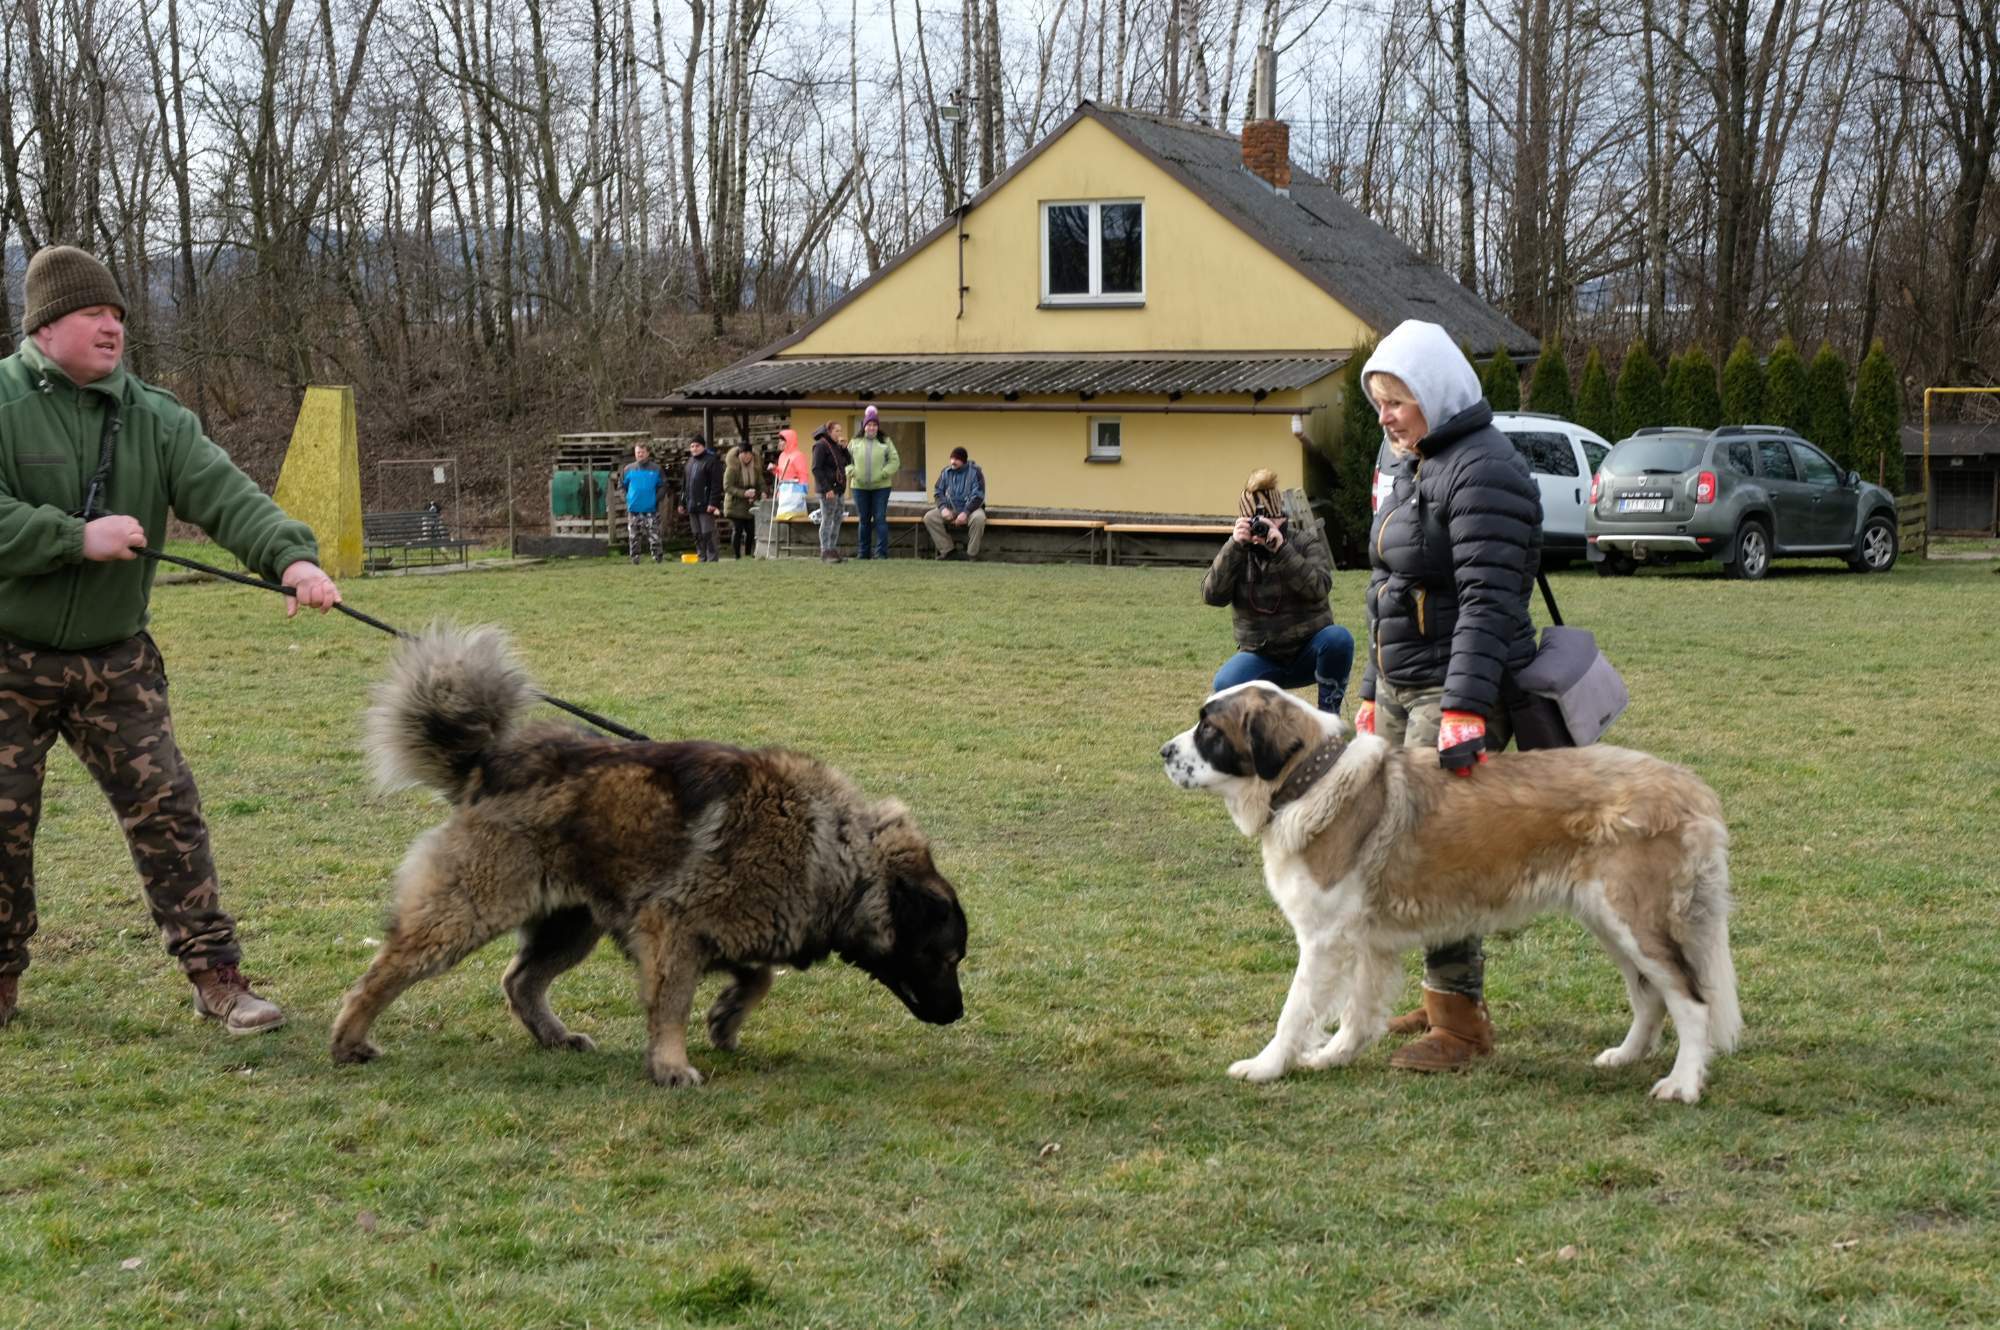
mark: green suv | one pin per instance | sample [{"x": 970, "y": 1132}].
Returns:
[{"x": 1743, "y": 494}]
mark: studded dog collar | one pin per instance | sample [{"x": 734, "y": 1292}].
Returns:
[{"x": 1316, "y": 764}]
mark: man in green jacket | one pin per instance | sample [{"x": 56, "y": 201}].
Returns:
[{"x": 91, "y": 460}]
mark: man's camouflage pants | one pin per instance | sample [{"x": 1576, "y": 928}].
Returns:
[
  {"x": 643, "y": 529},
  {"x": 110, "y": 706}
]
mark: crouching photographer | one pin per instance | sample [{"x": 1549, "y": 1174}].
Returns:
[{"x": 1276, "y": 586}]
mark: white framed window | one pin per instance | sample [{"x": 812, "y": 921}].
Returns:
[
  {"x": 1094, "y": 252},
  {"x": 1107, "y": 439}
]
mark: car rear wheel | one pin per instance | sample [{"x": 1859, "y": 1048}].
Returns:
[
  {"x": 1878, "y": 547},
  {"x": 1753, "y": 552},
  {"x": 1617, "y": 565}
]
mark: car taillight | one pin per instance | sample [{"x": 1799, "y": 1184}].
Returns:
[
  {"x": 1704, "y": 487},
  {"x": 1375, "y": 490},
  {"x": 1596, "y": 484}
]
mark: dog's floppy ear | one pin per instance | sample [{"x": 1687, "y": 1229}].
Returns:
[{"x": 1270, "y": 747}]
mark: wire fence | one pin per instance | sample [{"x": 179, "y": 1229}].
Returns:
[{"x": 561, "y": 498}]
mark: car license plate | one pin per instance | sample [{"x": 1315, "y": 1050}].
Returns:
[{"x": 1642, "y": 505}]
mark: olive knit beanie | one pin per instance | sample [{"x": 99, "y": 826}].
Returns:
[{"x": 63, "y": 279}]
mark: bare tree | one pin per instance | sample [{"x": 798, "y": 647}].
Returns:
[
  {"x": 1889, "y": 126},
  {"x": 1461, "y": 113},
  {"x": 1744, "y": 61},
  {"x": 516, "y": 204},
  {"x": 1958, "y": 43}
]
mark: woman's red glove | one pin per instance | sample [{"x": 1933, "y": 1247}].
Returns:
[
  {"x": 1364, "y": 718},
  {"x": 1461, "y": 741}
]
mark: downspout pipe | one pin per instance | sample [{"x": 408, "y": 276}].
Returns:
[{"x": 784, "y": 405}]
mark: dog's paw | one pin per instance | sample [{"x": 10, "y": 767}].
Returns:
[
  {"x": 674, "y": 1077},
  {"x": 1258, "y": 1070},
  {"x": 560, "y": 1038},
  {"x": 1620, "y": 1056},
  {"x": 725, "y": 1028},
  {"x": 358, "y": 1051},
  {"x": 1338, "y": 1051},
  {"x": 1686, "y": 1090}
]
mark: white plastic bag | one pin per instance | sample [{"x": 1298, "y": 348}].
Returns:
[{"x": 791, "y": 500}]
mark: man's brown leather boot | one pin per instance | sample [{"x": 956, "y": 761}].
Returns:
[{"x": 223, "y": 994}]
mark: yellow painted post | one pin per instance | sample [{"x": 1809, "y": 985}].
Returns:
[{"x": 320, "y": 483}]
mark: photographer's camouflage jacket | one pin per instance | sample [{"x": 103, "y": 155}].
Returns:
[{"x": 1278, "y": 600}]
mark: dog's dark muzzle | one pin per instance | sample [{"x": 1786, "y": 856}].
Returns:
[
  {"x": 933, "y": 1004},
  {"x": 939, "y": 1008}
]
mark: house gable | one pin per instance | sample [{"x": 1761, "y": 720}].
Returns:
[{"x": 1209, "y": 286}]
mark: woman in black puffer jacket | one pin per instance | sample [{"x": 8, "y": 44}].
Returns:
[
  {"x": 1454, "y": 551},
  {"x": 830, "y": 460}
]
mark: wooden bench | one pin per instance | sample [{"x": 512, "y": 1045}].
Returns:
[
  {"x": 1086, "y": 528},
  {"x": 800, "y": 535},
  {"x": 804, "y": 531},
  {"x": 399, "y": 535},
  {"x": 1113, "y": 530}
]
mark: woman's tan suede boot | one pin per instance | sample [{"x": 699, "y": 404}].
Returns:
[{"x": 1459, "y": 1033}]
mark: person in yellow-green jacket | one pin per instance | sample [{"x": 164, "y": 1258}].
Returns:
[
  {"x": 873, "y": 474},
  {"x": 91, "y": 462}
]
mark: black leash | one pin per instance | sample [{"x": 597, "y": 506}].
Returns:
[
  {"x": 100, "y": 481},
  {"x": 608, "y": 726}
]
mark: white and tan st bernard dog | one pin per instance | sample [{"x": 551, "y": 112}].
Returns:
[{"x": 1371, "y": 850}]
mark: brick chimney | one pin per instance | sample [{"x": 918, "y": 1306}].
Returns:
[
  {"x": 1267, "y": 140},
  {"x": 1267, "y": 152}
]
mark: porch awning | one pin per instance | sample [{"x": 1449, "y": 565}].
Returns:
[{"x": 938, "y": 377}]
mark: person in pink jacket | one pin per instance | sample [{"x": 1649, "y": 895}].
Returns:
[{"x": 792, "y": 468}]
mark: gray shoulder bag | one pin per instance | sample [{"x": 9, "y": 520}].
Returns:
[{"x": 1569, "y": 694}]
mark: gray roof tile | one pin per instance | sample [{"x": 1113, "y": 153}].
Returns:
[
  {"x": 1352, "y": 258},
  {"x": 1965, "y": 439},
  {"x": 951, "y": 376}
]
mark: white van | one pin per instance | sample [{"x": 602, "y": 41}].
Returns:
[{"x": 1562, "y": 456}]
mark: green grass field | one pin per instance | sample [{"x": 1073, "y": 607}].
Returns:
[{"x": 1071, "y": 1153}]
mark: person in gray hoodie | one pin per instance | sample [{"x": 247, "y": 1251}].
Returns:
[{"x": 1453, "y": 549}]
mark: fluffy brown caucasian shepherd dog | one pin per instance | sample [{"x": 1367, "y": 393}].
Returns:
[{"x": 694, "y": 856}]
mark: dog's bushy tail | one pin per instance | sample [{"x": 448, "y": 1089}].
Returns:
[
  {"x": 1704, "y": 936},
  {"x": 452, "y": 695}
]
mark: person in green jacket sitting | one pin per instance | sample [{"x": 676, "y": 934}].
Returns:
[{"x": 91, "y": 461}]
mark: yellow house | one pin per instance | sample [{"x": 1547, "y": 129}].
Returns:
[{"x": 1129, "y": 320}]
